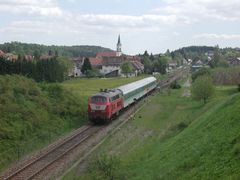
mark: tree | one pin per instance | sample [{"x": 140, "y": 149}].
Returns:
[
  {"x": 200, "y": 72},
  {"x": 177, "y": 56},
  {"x": 56, "y": 53},
  {"x": 148, "y": 65},
  {"x": 50, "y": 53},
  {"x": 86, "y": 66},
  {"x": 203, "y": 88},
  {"x": 66, "y": 65},
  {"x": 146, "y": 54},
  {"x": 167, "y": 53},
  {"x": 126, "y": 67},
  {"x": 223, "y": 63},
  {"x": 36, "y": 54},
  {"x": 217, "y": 58},
  {"x": 93, "y": 73},
  {"x": 162, "y": 62},
  {"x": 151, "y": 57}
]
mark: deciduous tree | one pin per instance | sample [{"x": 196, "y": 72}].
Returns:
[
  {"x": 203, "y": 88},
  {"x": 126, "y": 67}
]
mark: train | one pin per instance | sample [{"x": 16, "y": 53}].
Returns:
[{"x": 108, "y": 103}]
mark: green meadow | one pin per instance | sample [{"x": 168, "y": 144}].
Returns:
[
  {"x": 87, "y": 87},
  {"x": 173, "y": 137}
]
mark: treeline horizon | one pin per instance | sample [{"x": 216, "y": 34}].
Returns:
[
  {"x": 54, "y": 69},
  {"x": 36, "y": 50}
]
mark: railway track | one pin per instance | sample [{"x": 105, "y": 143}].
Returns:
[
  {"x": 41, "y": 163},
  {"x": 177, "y": 76}
]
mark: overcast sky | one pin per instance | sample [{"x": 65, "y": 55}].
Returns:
[{"x": 153, "y": 25}]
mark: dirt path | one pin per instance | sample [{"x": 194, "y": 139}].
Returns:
[{"x": 187, "y": 85}]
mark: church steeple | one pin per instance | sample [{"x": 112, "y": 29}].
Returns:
[
  {"x": 119, "y": 46},
  {"x": 119, "y": 41}
]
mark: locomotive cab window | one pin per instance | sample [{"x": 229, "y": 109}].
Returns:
[
  {"x": 115, "y": 97},
  {"x": 98, "y": 99}
]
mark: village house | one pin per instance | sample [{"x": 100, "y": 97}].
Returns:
[
  {"x": 28, "y": 57},
  {"x": 11, "y": 57},
  {"x": 96, "y": 63},
  {"x": 171, "y": 65},
  {"x": 138, "y": 67},
  {"x": 111, "y": 66},
  {"x": 45, "y": 57},
  {"x": 199, "y": 62},
  {"x": 234, "y": 62},
  {"x": 2, "y": 53},
  {"x": 76, "y": 71}
]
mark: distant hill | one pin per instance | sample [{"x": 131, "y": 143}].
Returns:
[
  {"x": 198, "y": 49},
  {"x": 37, "y": 49},
  {"x": 203, "y": 52}
]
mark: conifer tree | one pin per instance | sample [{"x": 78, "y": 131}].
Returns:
[{"x": 86, "y": 66}]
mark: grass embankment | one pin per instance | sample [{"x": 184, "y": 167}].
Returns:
[
  {"x": 32, "y": 115},
  {"x": 174, "y": 137}
]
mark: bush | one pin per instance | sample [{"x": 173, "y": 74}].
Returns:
[
  {"x": 92, "y": 73},
  {"x": 239, "y": 87},
  {"x": 175, "y": 85},
  {"x": 54, "y": 90},
  {"x": 226, "y": 76},
  {"x": 200, "y": 72},
  {"x": 106, "y": 167},
  {"x": 203, "y": 88},
  {"x": 182, "y": 125}
]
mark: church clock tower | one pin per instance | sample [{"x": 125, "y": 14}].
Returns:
[{"x": 119, "y": 46}]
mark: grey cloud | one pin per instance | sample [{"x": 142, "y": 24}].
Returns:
[
  {"x": 218, "y": 36},
  {"x": 199, "y": 10},
  {"x": 38, "y": 7}
]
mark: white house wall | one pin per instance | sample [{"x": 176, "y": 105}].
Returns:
[
  {"x": 108, "y": 69},
  {"x": 76, "y": 71}
]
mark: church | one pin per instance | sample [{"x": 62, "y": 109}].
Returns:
[{"x": 109, "y": 63}]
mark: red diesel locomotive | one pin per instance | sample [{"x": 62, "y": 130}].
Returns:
[
  {"x": 107, "y": 104},
  {"x": 104, "y": 105}
]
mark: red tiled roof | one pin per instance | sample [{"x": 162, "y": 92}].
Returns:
[
  {"x": 134, "y": 58},
  {"x": 95, "y": 61},
  {"x": 107, "y": 54},
  {"x": 1, "y": 53},
  {"x": 77, "y": 59},
  {"x": 45, "y": 57},
  {"x": 137, "y": 65},
  {"x": 28, "y": 57},
  {"x": 11, "y": 57},
  {"x": 172, "y": 62},
  {"x": 113, "y": 61}
]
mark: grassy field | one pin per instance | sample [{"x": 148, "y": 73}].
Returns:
[
  {"x": 173, "y": 137},
  {"x": 87, "y": 87},
  {"x": 33, "y": 114}
]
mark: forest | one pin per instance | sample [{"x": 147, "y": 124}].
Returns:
[
  {"x": 37, "y": 50},
  {"x": 54, "y": 69}
]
